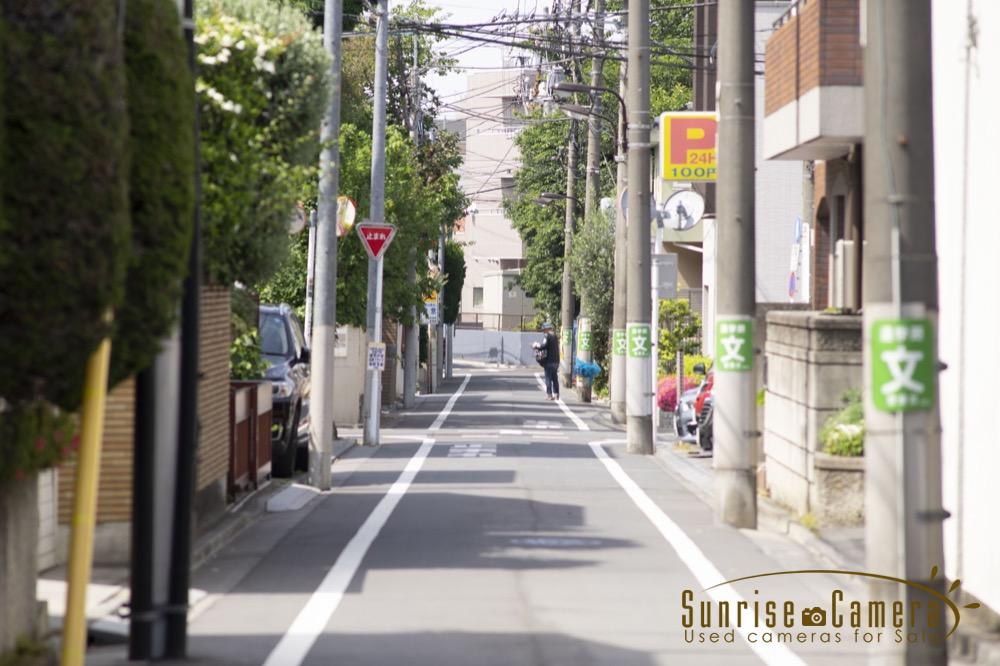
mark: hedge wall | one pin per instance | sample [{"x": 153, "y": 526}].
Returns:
[
  {"x": 64, "y": 227},
  {"x": 161, "y": 181}
]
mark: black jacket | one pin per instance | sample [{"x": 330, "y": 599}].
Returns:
[{"x": 551, "y": 349}]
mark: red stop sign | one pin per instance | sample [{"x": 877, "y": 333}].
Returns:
[{"x": 375, "y": 237}]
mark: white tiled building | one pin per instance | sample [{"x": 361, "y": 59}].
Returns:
[{"x": 487, "y": 118}]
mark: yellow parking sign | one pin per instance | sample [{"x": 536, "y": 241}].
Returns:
[{"x": 687, "y": 146}]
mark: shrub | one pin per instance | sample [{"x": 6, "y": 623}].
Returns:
[
  {"x": 64, "y": 231},
  {"x": 263, "y": 87},
  {"x": 680, "y": 329},
  {"x": 161, "y": 182},
  {"x": 843, "y": 434},
  {"x": 666, "y": 391}
]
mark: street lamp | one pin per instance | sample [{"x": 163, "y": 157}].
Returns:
[
  {"x": 545, "y": 198},
  {"x": 572, "y": 87}
]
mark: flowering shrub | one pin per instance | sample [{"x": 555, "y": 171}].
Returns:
[
  {"x": 666, "y": 391},
  {"x": 843, "y": 434},
  {"x": 34, "y": 437}
]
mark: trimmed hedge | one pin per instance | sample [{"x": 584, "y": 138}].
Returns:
[
  {"x": 161, "y": 108},
  {"x": 64, "y": 228}
]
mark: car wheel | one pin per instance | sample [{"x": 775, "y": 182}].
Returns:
[{"x": 283, "y": 464}]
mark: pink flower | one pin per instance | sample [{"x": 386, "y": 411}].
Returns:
[
  {"x": 75, "y": 442},
  {"x": 40, "y": 444}
]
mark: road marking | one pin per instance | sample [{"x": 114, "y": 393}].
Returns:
[
  {"x": 294, "y": 646},
  {"x": 580, "y": 425},
  {"x": 692, "y": 557},
  {"x": 478, "y": 436},
  {"x": 472, "y": 451}
]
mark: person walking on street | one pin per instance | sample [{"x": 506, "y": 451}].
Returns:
[{"x": 549, "y": 353}]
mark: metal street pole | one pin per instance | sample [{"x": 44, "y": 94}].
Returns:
[
  {"x": 311, "y": 273},
  {"x": 618, "y": 342},
  {"x": 187, "y": 440},
  {"x": 324, "y": 318},
  {"x": 411, "y": 351},
  {"x": 639, "y": 389},
  {"x": 373, "y": 390},
  {"x": 734, "y": 391},
  {"x": 903, "y": 511},
  {"x": 440, "y": 324}
]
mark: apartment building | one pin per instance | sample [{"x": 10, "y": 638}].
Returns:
[{"x": 488, "y": 115}]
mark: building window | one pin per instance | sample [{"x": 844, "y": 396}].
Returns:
[{"x": 477, "y": 297}]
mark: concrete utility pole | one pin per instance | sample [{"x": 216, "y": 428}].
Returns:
[
  {"x": 903, "y": 512},
  {"x": 619, "y": 344},
  {"x": 372, "y": 405},
  {"x": 310, "y": 274},
  {"x": 593, "y": 182},
  {"x": 639, "y": 388},
  {"x": 567, "y": 309},
  {"x": 734, "y": 392},
  {"x": 566, "y": 323},
  {"x": 324, "y": 318},
  {"x": 411, "y": 353}
]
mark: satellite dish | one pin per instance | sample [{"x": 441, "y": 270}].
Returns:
[{"x": 683, "y": 210}]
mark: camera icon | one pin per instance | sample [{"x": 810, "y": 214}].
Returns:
[{"x": 813, "y": 617}]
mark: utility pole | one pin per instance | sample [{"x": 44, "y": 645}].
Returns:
[
  {"x": 904, "y": 516},
  {"x": 566, "y": 319},
  {"x": 310, "y": 275},
  {"x": 324, "y": 319},
  {"x": 373, "y": 394},
  {"x": 593, "y": 183},
  {"x": 734, "y": 392},
  {"x": 619, "y": 344},
  {"x": 411, "y": 352},
  {"x": 639, "y": 388}
]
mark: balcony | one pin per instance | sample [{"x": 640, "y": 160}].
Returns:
[{"x": 813, "y": 85}]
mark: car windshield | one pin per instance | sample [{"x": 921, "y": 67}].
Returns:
[{"x": 273, "y": 338}]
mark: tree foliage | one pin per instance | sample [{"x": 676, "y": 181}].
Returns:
[
  {"x": 454, "y": 269},
  {"x": 542, "y": 144},
  {"x": 263, "y": 88}
]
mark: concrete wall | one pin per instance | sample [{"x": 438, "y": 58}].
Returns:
[
  {"x": 48, "y": 518},
  {"x": 486, "y": 346},
  {"x": 18, "y": 559},
  {"x": 812, "y": 359},
  {"x": 968, "y": 273},
  {"x": 350, "y": 363}
]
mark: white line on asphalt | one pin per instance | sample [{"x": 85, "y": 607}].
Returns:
[
  {"x": 580, "y": 425},
  {"x": 693, "y": 558},
  {"x": 293, "y": 647}
]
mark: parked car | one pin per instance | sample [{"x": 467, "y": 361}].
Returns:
[
  {"x": 703, "y": 408},
  {"x": 284, "y": 348},
  {"x": 685, "y": 414},
  {"x": 685, "y": 418}
]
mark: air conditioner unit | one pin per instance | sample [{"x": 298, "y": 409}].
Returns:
[{"x": 844, "y": 285}]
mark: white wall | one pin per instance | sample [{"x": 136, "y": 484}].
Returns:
[
  {"x": 967, "y": 338},
  {"x": 778, "y": 189}
]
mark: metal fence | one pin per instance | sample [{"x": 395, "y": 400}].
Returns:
[{"x": 495, "y": 321}]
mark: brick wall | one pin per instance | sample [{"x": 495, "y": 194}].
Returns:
[
  {"x": 114, "y": 498},
  {"x": 114, "y": 494},
  {"x": 819, "y": 46},
  {"x": 213, "y": 391}
]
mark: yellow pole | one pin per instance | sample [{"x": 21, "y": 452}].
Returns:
[{"x": 88, "y": 469}]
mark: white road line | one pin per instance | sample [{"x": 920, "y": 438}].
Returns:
[
  {"x": 704, "y": 571},
  {"x": 293, "y": 647},
  {"x": 580, "y": 425}
]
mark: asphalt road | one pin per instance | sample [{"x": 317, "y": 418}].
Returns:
[{"x": 494, "y": 527}]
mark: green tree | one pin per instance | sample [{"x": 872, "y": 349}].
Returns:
[
  {"x": 263, "y": 89},
  {"x": 454, "y": 269},
  {"x": 542, "y": 144},
  {"x": 593, "y": 268}
]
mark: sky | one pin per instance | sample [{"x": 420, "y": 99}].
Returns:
[{"x": 480, "y": 55}]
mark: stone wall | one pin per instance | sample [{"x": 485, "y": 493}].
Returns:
[{"x": 811, "y": 359}]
